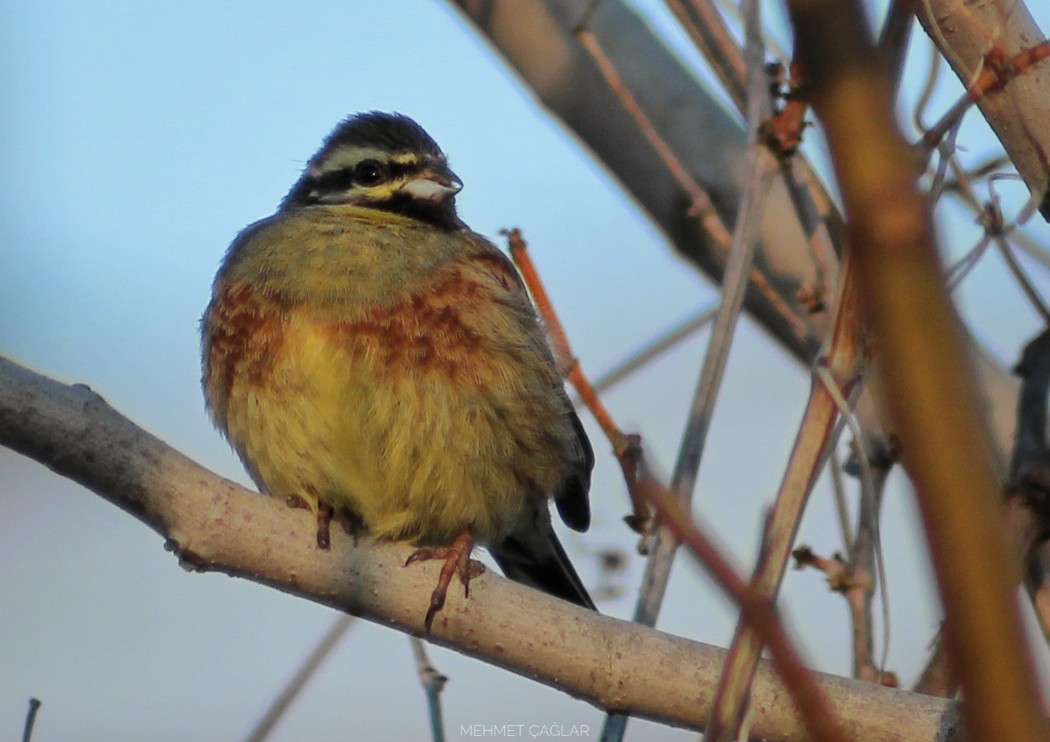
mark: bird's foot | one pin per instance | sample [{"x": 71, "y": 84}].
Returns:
[
  {"x": 325, "y": 514},
  {"x": 457, "y": 562},
  {"x": 351, "y": 522}
]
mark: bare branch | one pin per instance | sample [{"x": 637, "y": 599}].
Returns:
[
  {"x": 298, "y": 681},
  {"x": 972, "y": 36},
  {"x": 215, "y": 525},
  {"x": 652, "y": 350},
  {"x": 34, "y": 706},
  {"x": 433, "y": 683}
]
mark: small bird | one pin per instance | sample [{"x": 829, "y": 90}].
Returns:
[{"x": 371, "y": 358}]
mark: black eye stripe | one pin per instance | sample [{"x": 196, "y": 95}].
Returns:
[
  {"x": 337, "y": 180},
  {"x": 346, "y": 178}
]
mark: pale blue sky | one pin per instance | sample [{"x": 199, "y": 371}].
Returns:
[{"x": 137, "y": 139}]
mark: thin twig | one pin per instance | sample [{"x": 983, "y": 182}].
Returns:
[
  {"x": 433, "y": 683},
  {"x": 933, "y": 73},
  {"x": 701, "y": 204},
  {"x": 964, "y": 191},
  {"x": 821, "y": 295},
  {"x": 562, "y": 349},
  {"x": 838, "y": 491},
  {"x": 1037, "y": 252},
  {"x": 960, "y": 269},
  {"x": 993, "y": 77},
  {"x": 983, "y": 169},
  {"x": 866, "y": 567},
  {"x": 734, "y": 687},
  {"x": 733, "y": 10},
  {"x": 871, "y": 560},
  {"x": 937, "y": 678},
  {"x": 1027, "y": 287},
  {"x": 855, "y": 581},
  {"x": 306, "y": 671},
  {"x": 652, "y": 350},
  {"x": 627, "y": 448},
  {"x": 27, "y": 732},
  {"x": 704, "y": 24},
  {"x": 995, "y": 230},
  {"x": 946, "y": 150},
  {"x": 694, "y": 438},
  {"x": 994, "y": 225}
]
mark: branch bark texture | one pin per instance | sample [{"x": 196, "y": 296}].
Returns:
[{"x": 974, "y": 33}]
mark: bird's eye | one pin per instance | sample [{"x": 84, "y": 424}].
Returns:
[{"x": 368, "y": 172}]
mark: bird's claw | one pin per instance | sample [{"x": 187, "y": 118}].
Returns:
[{"x": 457, "y": 562}]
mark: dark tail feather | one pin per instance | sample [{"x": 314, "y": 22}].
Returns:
[{"x": 539, "y": 561}]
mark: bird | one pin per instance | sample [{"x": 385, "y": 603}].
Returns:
[{"x": 371, "y": 358}]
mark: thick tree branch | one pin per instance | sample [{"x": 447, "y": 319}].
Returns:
[
  {"x": 975, "y": 35},
  {"x": 215, "y": 525}
]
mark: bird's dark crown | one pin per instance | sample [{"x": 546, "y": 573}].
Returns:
[
  {"x": 391, "y": 132},
  {"x": 369, "y": 159}
]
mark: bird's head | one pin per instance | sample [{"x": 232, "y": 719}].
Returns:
[{"x": 382, "y": 161}]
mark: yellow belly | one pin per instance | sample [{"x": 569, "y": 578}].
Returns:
[{"x": 419, "y": 443}]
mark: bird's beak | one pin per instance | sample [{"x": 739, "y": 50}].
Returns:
[{"x": 436, "y": 184}]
